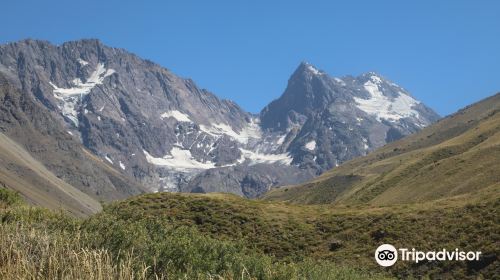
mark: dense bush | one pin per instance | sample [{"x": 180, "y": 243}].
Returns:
[{"x": 40, "y": 244}]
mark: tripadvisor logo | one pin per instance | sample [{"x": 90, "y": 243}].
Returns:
[{"x": 387, "y": 255}]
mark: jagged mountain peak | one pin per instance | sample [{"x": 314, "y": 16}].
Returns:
[
  {"x": 306, "y": 70},
  {"x": 133, "y": 114},
  {"x": 334, "y": 113},
  {"x": 376, "y": 79},
  {"x": 372, "y": 74},
  {"x": 163, "y": 130}
]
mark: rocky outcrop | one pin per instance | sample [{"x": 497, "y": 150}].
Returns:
[{"x": 27, "y": 122}]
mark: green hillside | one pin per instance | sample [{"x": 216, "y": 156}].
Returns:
[
  {"x": 206, "y": 236},
  {"x": 36, "y": 243},
  {"x": 459, "y": 155},
  {"x": 345, "y": 236}
]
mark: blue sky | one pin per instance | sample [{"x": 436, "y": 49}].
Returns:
[{"x": 446, "y": 53}]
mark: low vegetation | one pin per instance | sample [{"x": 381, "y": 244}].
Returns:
[
  {"x": 345, "y": 236},
  {"x": 220, "y": 236},
  {"x": 9, "y": 198},
  {"x": 37, "y": 243}
]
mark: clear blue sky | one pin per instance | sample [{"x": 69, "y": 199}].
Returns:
[{"x": 446, "y": 53}]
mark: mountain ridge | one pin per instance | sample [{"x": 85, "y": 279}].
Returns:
[
  {"x": 59, "y": 164},
  {"x": 457, "y": 155},
  {"x": 169, "y": 134}
]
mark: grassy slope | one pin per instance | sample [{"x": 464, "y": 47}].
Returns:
[
  {"x": 39, "y": 244},
  {"x": 342, "y": 235},
  {"x": 458, "y": 155}
]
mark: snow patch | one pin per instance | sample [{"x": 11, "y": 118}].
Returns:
[
  {"x": 179, "y": 116},
  {"x": 311, "y": 145},
  {"x": 108, "y": 159},
  {"x": 251, "y": 130},
  {"x": 122, "y": 166},
  {"x": 82, "y": 62},
  {"x": 96, "y": 78},
  {"x": 383, "y": 107},
  {"x": 313, "y": 70},
  {"x": 365, "y": 143},
  {"x": 281, "y": 140},
  {"x": 71, "y": 97},
  {"x": 178, "y": 159},
  {"x": 340, "y": 81},
  {"x": 376, "y": 79},
  {"x": 255, "y": 157}
]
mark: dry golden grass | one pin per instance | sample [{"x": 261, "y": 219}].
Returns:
[{"x": 29, "y": 253}]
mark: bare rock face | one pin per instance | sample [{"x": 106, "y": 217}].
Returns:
[
  {"x": 36, "y": 129},
  {"x": 170, "y": 135}
]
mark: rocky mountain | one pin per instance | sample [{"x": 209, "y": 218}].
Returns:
[
  {"x": 327, "y": 120},
  {"x": 322, "y": 121},
  {"x": 165, "y": 132},
  {"x": 457, "y": 157},
  {"x": 48, "y": 166}
]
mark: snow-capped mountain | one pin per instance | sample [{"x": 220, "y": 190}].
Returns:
[
  {"x": 328, "y": 120},
  {"x": 170, "y": 135}
]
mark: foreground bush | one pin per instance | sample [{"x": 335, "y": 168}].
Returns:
[
  {"x": 9, "y": 198},
  {"x": 40, "y": 244},
  {"x": 185, "y": 252}
]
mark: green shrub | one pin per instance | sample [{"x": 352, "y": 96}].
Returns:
[
  {"x": 9, "y": 197},
  {"x": 185, "y": 252}
]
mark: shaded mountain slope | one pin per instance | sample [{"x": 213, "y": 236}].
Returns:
[
  {"x": 19, "y": 171},
  {"x": 34, "y": 132},
  {"x": 457, "y": 155}
]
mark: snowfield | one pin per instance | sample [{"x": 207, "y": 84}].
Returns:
[
  {"x": 311, "y": 145},
  {"x": 383, "y": 107},
  {"x": 179, "y": 116},
  {"x": 70, "y": 98},
  {"x": 179, "y": 159},
  {"x": 250, "y": 131},
  {"x": 255, "y": 157}
]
